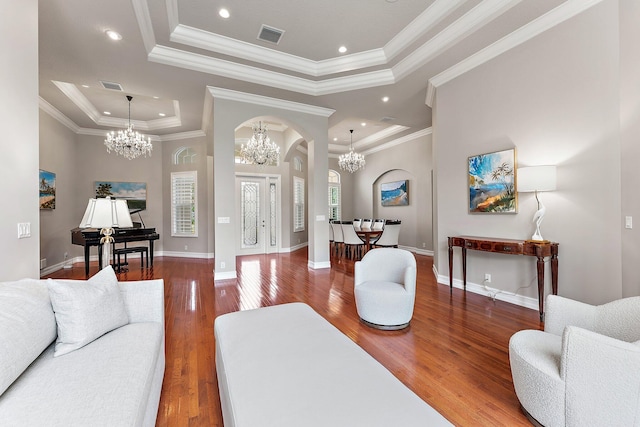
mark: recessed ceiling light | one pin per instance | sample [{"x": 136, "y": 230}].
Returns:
[
  {"x": 342, "y": 49},
  {"x": 224, "y": 13},
  {"x": 156, "y": 97},
  {"x": 108, "y": 113},
  {"x": 85, "y": 86},
  {"x": 385, "y": 99},
  {"x": 335, "y": 138},
  {"x": 363, "y": 124},
  {"x": 113, "y": 35},
  {"x": 161, "y": 114}
]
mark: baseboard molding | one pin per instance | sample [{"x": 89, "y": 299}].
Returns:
[
  {"x": 318, "y": 265},
  {"x": 199, "y": 255},
  {"x": 224, "y": 275},
  {"x": 499, "y": 294},
  {"x": 294, "y": 247}
]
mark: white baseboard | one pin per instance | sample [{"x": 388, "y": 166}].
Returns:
[
  {"x": 199, "y": 255},
  {"x": 224, "y": 275},
  {"x": 493, "y": 293}
]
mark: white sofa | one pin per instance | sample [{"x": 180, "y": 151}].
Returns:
[
  {"x": 286, "y": 366},
  {"x": 114, "y": 379},
  {"x": 584, "y": 368}
]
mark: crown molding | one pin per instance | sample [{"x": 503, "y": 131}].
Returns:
[
  {"x": 554, "y": 17},
  {"x": 77, "y": 97},
  {"x": 141, "y": 10},
  {"x": 484, "y": 12},
  {"x": 56, "y": 114},
  {"x": 385, "y": 133},
  {"x": 182, "y": 135},
  {"x": 217, "y": 43},
  {"x": 424, "y": 22},
  {"x": 470, "y": 22},
  {"x": 401, "y": 140},
  {"x": 250, "y": 98},
  {"x": 212, "y": 42}
]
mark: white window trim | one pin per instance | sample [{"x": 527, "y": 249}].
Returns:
[
  {"x": 298, "y": 204},
  {"x": 194, "y": 177}
]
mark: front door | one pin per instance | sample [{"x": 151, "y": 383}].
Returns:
[{"x": 257, "y": 211}]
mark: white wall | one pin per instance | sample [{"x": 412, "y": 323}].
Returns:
[
  {"x": 19, "y": 123},
  {"x": 58, "y": 154},
  {"x": 411, "y": 160},
  {"x": 555, "y": 98},
  {"x": 630, "y": 149}
]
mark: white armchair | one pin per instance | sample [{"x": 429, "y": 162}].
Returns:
[
  {"x": 385, "y": 288},
  {"x": 584, "y": 368}
]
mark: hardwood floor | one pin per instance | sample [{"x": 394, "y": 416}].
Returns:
[{"x": 454, "y": 355}]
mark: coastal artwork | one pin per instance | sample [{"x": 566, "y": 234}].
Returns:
[
  {"x": 492, "y": 182},
  {"x": 47, "y": 190},
  {"x": 135, "y": 193},
  {"x": 395, "y": 193}
]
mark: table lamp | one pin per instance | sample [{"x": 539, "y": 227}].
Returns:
[
  {"x": 536, "y": 179},
  {"x": 106, "y": 213}
]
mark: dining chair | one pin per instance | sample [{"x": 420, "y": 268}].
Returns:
[
  {"x": 378, "y": 224},
  {"x": 338, "y": 239},
  {"x": 356, "y": 222},
  {"x": 352, "y": 242},
  {"x": 366, "y": 223},
  {"x": 390, "y": 234},
  {"x": 330, "y": 233}
]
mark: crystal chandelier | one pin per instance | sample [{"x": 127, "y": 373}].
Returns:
[
  {"x": 351, "y": 161},
  {"x": 260, "y": 150},
  {"x": 128, "y": 143}
]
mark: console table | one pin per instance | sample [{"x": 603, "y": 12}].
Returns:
[{"x": 540, "y": 250}]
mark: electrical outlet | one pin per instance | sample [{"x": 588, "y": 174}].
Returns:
[
  {"x": 487, "y": 278},
  {"x": 424, "y": 244},
  {"x": 186, "y": 247},
  {"x": 66, "y": 255},
  {"x": 223, "y": 264}
]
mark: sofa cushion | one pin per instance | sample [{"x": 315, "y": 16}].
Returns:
[
  {"x": 86, "y": 309},
  {"x": 27, "y": 327},
  {"x": 105, "y": 383}
]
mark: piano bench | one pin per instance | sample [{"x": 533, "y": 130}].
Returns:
[{"x": 125, "y": 251}]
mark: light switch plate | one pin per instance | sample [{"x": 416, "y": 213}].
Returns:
[
  {"x": 24, "y": 230},
  {"x": 628, "y": 222}
]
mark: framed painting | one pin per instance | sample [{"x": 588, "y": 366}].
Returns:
[
  {"x": 47, "y": 190},
  {"x": 135, "y": 193},
  {"x": 492, "y": 182},
  {"x": 395, "y": 193}
]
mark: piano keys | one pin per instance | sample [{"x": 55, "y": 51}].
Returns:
[{"x": 88, "y": 237}]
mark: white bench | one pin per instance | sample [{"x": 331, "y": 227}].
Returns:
[{"x": 287, "y": 366}]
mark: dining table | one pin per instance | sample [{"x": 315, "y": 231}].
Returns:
[{"x": 366, "y": 234}]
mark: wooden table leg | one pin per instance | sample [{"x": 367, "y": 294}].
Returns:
[
  {"x": 554, "y": 269},
  {"x": 540, "y": 268},
  {"x": 450, "y": 266}
]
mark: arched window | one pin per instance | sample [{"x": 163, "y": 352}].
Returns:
[
  {"x": 334, "y": 195},
  {"x": 297, "y": 164},
  {"x": 184, "y": 156}
]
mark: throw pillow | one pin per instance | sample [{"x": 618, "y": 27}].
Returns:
[{"x": 86, "y": 310}]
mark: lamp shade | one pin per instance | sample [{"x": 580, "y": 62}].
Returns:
[
  {"x": 106, "y": 213},
  {"x": 536, "y": 178}
]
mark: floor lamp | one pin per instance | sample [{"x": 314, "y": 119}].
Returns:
[
  {"x": 535, "y": 179},
  {"x": 106, "y": 213}
]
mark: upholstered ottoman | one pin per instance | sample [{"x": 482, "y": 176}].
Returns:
[{"x": 286, "y": 366}]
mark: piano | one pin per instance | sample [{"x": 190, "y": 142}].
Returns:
[{"x": 88, "y": 237}]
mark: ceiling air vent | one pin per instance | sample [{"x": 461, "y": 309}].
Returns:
[
  {"x": 111, "y": 85},
  {"x": 270, "y": 34},
  {"x": 387, "y": 119}
]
